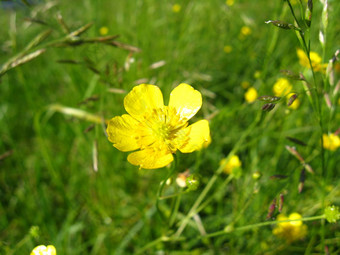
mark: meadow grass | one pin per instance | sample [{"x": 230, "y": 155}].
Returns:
[{"x": 54, "y": 192}]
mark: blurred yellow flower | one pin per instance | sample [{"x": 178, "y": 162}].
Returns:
[
  {"x": 230, "y": 2},
  {"x": 227, "y": 49},
  {"x": 43, "y": 250},
  {"x": 291, "y": 230},
  {"x": 234, "y": 162},
  {"x": 251, "y": 95},
  {"x": 245, "y": 31},
  {"x": 158, "y": 130},
  {"x": 176, "y": 8},
  {"x": 331, "y": 142},
  {"x": 257, "y": 74},
  {"x": 295, "y": 104},
  {"x": 281, "y": 87},
  {"x": 315, "y": 59},
  {"x": 103, "y": 31}
]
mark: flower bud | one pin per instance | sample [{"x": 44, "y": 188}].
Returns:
[
  {"x": 271, "y": 209},
  {"x": 292, "y": 99},
  {"x": 332, "y": 213},
  {"x": 269, "y": 99},
  {"x": 268, "y": 107},
  {"x": 282, "y": 24},
  {"x": 193, "y": 182},
  {"x": 308, "y": 13}
]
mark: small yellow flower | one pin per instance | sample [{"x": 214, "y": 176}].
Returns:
[
  {"x": 257, "y": 74},
  {"x": 315, "y": 59},
  {"x": 230, "y": 2},
  {"x": 103, "y": 31},
  {"x": 251, "y": 95},
  {"x": 157, "y": 131},
  {"x": 291, "y": 230},
  {"x": 245, "y": 31},
  {"x": 227, "y": 49},
  {"x": 281, "y": 87},
  {"x": 234, "y": 162},
  {"x": 331, "y": 142},
  {"x": 176, "y": 8},
  {"x": 43, "y": 250}
]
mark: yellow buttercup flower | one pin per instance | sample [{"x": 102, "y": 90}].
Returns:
[
  {"x": 43, "y": 250},
  {"x": 251, "y": 95},
  {"x": 245, "y": 31},
  {"x": 233, "y": 162},
  {"x": 176, "y": 8},
  {"x": 103, "y": 30},
  {"x": 331, "y": 142},
  {"x": 230, "y": 2},
  {"x": 315, "y": 59},
  {"x": 291, "y": 230},
  {"x": 281, "y": 87},
  {"x": 157, "y": 131}
]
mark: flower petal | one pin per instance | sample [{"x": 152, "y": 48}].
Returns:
[
  {"x": 150, "y": 158},
  {"x": 121, "y": 131},
  {"x": 199, "y": 134},
  {"x": 186, "y": 100},
  {"x": 142, "y": 99}
]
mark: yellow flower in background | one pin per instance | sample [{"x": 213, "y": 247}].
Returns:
[
  {"x": 103, "y": 31},
  {"x": 281, "y": 87},
  {"x": 156, "y": 131},
  {"x": 43, "y": 250},
  {"x": 176, "y": 8},
  {"x": 257, "y": 74},
  {"x": 234, "y": 162},
  {"x": 315, "y": 59},
  {"x": 251, "y": 95},
  {"x": 331, "y": 142},
  {"x": 230, "y": 2},
  {"x": 245, "y": 31},
  {"x": 227, "y": 49},
  {"x": 291, "y": 230}
]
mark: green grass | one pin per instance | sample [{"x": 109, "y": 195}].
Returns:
[{"x": 48, "y": 180}]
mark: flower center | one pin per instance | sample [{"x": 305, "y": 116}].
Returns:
[{"x": 163, "y": 129}]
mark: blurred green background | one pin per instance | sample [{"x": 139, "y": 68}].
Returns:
[{"x": 47, "y": 175}]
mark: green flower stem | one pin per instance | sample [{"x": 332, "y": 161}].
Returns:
[
  {"x": 162, "y": 185},
  {"x": 213, "y": 179},
  {"x": 174, "y": 211},
  {"x": 228, "y": 230},
  {"x": 173, "y": 195}
]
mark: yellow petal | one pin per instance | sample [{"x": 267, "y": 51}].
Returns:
[
  {"x": 51, "y": 250},
  {"x": 199, "y": 133},
  {"x": 43, "y": 250},
  {"x": 186, "y": 100},
  {"x": 143, "y": 99},
  {"x": 121, "y": 131},
  {"x": 150, "y": 158}
]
